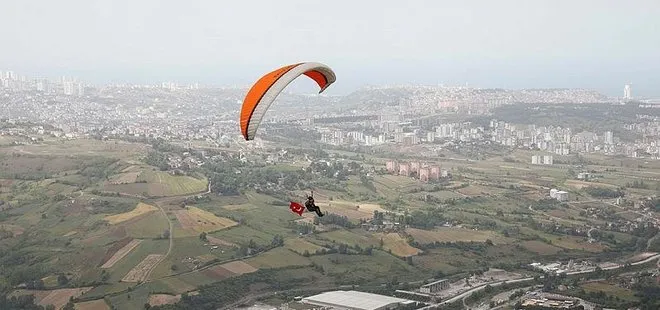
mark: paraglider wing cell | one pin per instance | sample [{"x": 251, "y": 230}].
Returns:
[{"x": 268, "y": 87}]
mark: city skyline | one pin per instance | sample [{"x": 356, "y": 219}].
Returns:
[
  {"x": 76, "y": 85},
  {"x": 477, "y": 42}
]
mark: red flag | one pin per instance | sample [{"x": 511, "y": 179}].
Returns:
[{"x": 297, "y": 208}]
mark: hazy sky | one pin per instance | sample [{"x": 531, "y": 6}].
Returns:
[{"x": 598, "y": 44}]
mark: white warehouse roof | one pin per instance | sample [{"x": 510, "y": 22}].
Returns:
[{"x": 354, "y": 300}]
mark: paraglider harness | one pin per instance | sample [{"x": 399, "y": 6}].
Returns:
[{"x": 309, "y": 204}]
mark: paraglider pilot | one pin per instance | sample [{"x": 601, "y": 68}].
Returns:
[{"x": 309, "y": 204}]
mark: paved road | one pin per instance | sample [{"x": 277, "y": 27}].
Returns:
[
  {"x": 171, "y": 237},
  {"x": 159, "y": 203}
]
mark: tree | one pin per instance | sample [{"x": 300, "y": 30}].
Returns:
[
  {"x": 69, "y": 305},
  {"x": 62, "y": 280},
  {"x": 166, "y": 234},
  {"x": 202, "y": 236},
  {"x": 277, "y": 241}
]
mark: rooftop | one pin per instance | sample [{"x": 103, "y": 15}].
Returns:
[{"x": 353, "y": 300}]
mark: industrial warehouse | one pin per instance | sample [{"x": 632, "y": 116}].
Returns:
[{"x": 354, "y": 300}]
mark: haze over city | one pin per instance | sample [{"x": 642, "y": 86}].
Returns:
[{"x": 593, "y": 44}]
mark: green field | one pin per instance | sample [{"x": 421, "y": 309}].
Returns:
[
  {"x": 445, "y": 260},
  {"x": 150, "y": 226},
  {"x": 176, "y": 285},
  {"x": 160, "y": 184},
  {"x": 119, "y": 270},
  {"x": 445, "y": 234},
  {"x": 171, "y": 185},
  {"x": 189, "y": 247},
  {"x": 299, "y": 246},
  {"x": 133, "y": 300},
  {"x": 609, "y": 289},
  {"x": 349, "y": 269},
  {"x": 540, "y": 247},
  {"x": 277, "y": 258},
  {"x": 348, "y": 237},
  {"x": 243, "y": 234}
]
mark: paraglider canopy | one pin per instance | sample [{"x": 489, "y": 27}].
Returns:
[{"x": 268, "y": 87}]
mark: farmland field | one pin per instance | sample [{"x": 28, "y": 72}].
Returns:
[
  {"x": 276, "y": 258},
  {"x": 375, "y": 267},
  {"x": 609, "y": 289},
  {"x": 440, "y": 259},
  {"x": 139, "y": 272},
  {"x": 121, "y": 253},
  {"x": 195, "y": 220},
  {"x": 60, "y": 148},
  {"x": 218, "y": 241},
  {"x": 150, "y": 226},
  {"x": 57, "y": 298},
  {"x": 239, "y": 267},
  {"x": 540, "y": 247},
  {"x": 447, "y": 234},
  {"x": 140, "y": 209},
  {"x": 243, "y": 234},
  {"x": 177, "y": 285},
  {"x": 218, "y": 273},
  {"x": 99, "y": 304},
  {"x": 165, "y": 184},
  {"x": 60, "y": 297},
  {"x": 163, "y": 299},
  {"x": 228, "y": 270},
  {"x": 349, "y": 237},
  {"x": 156, "y": 184},
  {"x": 577, "y": 243},
  {"x": 397, "y": 245},
  {"x": 187, "y": 248},
  {"x": 301, "y": 245},
  {"x": 577, "y": 184},
  {"x": 129, "y": 262},
  {"x": 352, "y": 210},
  {"x": 395, "y": 182},
  {"x": 14, "y": 229},
  {"x": 477, "y": 190},
  {"x": 197, "y": 278},
  {"x": 125, "y": 178}
]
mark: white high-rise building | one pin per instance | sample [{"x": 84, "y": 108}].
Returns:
[
  {"x": 430, "y": 136},
  {"x": 547, "y": 159},
  {"x": 609, "y": 137},
  {"x": 627, "y": 92},
  {"x": 536, "y": 160}
]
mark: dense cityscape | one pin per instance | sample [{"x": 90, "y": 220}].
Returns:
[{"x": 172, "y": 111}]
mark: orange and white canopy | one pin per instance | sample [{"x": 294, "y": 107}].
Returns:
[{"x": 268, "y": 87}]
